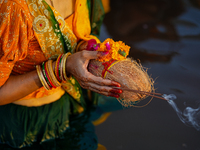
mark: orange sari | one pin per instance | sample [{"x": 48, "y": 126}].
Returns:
[{"x": 27, "y": 39}]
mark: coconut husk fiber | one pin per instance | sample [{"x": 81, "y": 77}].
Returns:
[{"x": 129, "y": 74}]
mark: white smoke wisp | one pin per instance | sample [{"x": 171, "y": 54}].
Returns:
[{"x": 190, "y": 116}]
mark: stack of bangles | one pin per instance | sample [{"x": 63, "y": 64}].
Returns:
[{"x": 50, "y": 78}]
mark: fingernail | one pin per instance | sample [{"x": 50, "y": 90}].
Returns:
[
  {"x": 116, "y": 91},
  {"x": 113, "y": 95},
  {"x": 116, "y": 84},
  {"x": 102, "y": 54}
]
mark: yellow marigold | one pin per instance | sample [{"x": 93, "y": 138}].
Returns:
[{"x": 117, "y": 50}]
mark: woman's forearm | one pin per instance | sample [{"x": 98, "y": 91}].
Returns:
[{"x": 19, "y": 86}]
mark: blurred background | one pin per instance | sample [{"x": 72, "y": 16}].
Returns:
[{"x": 164, "y": 36}]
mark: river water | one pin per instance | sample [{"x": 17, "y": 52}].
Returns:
[{"x": 165, "y": 36}]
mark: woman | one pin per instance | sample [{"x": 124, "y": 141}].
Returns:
[{"x": 42, "y": 79}]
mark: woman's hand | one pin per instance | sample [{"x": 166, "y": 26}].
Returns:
[{"x": 77, "y": 66}]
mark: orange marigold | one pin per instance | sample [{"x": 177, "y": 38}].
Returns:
[{"x": 117, "y": 50}]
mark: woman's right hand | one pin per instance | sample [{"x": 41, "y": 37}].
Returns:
[{"x": 77, "y": 66}]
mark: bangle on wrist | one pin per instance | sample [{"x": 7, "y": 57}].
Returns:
[
  {"x": 50, "y": 72},
  {"x": 50, "y": 78},
  {"x": 64, "y": 65},
  {"x": 78, "y": 46},
  {"x": 41, "y": 77},
  {"x": 58, "y": 68}
]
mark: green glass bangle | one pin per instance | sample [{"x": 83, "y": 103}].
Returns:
[{"x": 45, "y": 76}]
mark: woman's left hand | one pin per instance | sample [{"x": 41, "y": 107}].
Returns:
[{"x": 77, "y": 66}]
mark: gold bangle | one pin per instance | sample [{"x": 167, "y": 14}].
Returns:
[
  {"x": 51, "y": 73},
  {"x": 41, "y": 77},
  {"x": 64, "y": 65},
  {"x": 79, "y": 44},
  {"x": 57, "y": 68},
  {"x": 50, "y": 80},
  {"x": 61, "y": 70}
]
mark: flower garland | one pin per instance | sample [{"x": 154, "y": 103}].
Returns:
[{"x": 116, "y": 50}]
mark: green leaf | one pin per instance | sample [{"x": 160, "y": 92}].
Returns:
[{"x": 122, "y": 53}]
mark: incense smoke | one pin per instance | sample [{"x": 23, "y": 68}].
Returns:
[{"x": 190, "y": 116}]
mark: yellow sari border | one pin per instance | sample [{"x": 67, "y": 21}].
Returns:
[
  {"x": 47, "y": 33},
  {"x": 35, "y": 102}
]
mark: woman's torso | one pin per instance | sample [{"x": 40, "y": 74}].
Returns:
[
  {"x": 37, "y": 42},
  {"x": 34, "y": 57}
]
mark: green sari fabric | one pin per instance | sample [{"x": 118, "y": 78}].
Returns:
[
  {"x": 96, "y": 16},
  {"x": 46, "y": 127},
  {"x": 23, "y": 125}
]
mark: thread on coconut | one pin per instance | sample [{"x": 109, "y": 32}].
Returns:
[{"x": 130, "y": 75}]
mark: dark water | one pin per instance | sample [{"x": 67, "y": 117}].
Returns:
[{"x": 165, "y": 36}]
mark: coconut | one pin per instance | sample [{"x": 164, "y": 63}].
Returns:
[
  {"x": 128, "y": 73},
  {"x": 117, "y": 67}
]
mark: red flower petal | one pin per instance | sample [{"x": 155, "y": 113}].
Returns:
[{"x": 92, "y": 45}]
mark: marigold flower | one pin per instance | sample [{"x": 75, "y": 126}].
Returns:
[{"x": 117, "y": 50}]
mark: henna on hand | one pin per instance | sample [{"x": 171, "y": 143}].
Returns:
[{"x": 77, "y": 66}]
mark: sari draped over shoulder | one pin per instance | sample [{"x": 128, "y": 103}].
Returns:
[
  {"x": 56, "y": 37},
  {"x": 32, "y": 32}
]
